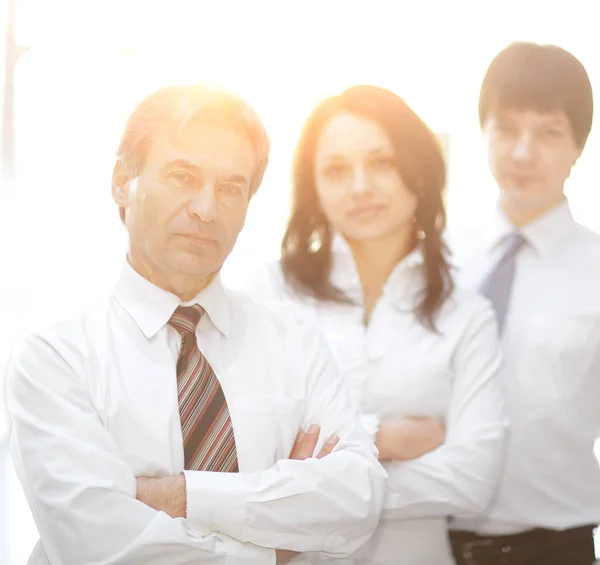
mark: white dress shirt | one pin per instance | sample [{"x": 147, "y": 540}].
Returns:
[
  {"x": 396, "y": 368},
  {"x": 94, "y": 405},
  {"x": 551, "y": 343}
]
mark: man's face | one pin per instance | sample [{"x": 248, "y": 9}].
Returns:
[
  {"x": 531, "y": 155},
  {"x": 186, "y": 207}
]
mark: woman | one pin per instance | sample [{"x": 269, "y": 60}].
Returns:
[{"x": 363, "y": 256}]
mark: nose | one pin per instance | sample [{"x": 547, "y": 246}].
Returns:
[
  {"x": 524, "y": 148},
  {"x": 361, "y": 181},
  {"x": 204, "y": 203}
]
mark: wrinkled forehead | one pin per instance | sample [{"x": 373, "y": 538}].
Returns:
[{"x": 218, "y": 149}]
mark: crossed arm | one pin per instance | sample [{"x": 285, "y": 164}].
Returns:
[
  {"x": 167, "y": 494},
  {"x": 90, "y": 508}
]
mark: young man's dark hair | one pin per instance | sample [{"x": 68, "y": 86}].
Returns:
[{"x": 545, "y": 78}]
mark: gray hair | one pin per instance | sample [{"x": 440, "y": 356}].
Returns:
[{"x": 174, "y": 107}]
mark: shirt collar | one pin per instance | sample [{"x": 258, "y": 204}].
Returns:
[
  {"x": 151, "y": 307},
  {"x": 404, "y": 281},
  {"x": 543, "y": 233}
]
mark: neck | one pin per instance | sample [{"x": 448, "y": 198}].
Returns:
[
  {"x": 521, "y": 215},
  {"x": 375, "y": 259},
  {"x": 182, "y": 285}
]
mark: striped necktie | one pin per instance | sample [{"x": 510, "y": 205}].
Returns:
[{"x": 208, "y": 440}]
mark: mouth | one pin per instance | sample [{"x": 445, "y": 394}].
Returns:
[
  {"x": 198, "y": 238},
  {"x": 523, "y": 180},
  {"x": 366, "y": 212}
]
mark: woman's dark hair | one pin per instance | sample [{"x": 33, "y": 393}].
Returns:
[
  {"x": 306, "y": 254},
  {"x": 543, "y": 78}
]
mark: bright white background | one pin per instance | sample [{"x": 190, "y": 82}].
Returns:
[{"x": 60, "y": 238}]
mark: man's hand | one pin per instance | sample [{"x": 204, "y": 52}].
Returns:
[
  {"x": 408, "y": 438},
  {"x": 166, "y": 494},
  {"x": 306, "y": 442},
  {"x": 284, "y": 556}
]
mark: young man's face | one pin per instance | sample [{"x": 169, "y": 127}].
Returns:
[{"x": 531, "y": 155}]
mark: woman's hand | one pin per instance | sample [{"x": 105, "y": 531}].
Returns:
[{"x": 408, "y": 438}]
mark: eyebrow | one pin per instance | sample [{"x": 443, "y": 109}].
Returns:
[
  {"x": 376, "y": 151},
  {"x": 552, "y": 119},
  {"x": 555, "y": 121},
  {"x": 183, "y": 164},
  {"x": 199, "y": 171},
  {"x": 235, "y": 178}
]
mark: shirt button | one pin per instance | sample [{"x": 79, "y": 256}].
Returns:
[{"x": 506, "y": 549}]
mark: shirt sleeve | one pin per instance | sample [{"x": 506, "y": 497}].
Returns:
[
  {"x": 81, "y": 492},
  {"x": 460, "y": 477},
  {"x": 330, "y": 505}
]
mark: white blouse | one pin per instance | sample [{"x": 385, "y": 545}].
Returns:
[{"x": 396, "y": 368}]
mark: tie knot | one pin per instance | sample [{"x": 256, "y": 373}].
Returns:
[
  {"x": 186, "y": 318},
  {"x": 514, "y": 242}
]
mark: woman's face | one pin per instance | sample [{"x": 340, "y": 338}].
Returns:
[{"x": 358, "y": 182}]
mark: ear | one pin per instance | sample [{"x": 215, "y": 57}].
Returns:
[
  {"x": 121, "y": 181},
  {"x": 243, "y": 221},
  {"x": 576, "y": 154}
]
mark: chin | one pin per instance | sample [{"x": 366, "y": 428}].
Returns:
[
  {"x": 518, "y": 195},
  {"x": 368, "y": 234},
  {"x": 194, "y": 265},
  {"x": 530, "y": 206}
]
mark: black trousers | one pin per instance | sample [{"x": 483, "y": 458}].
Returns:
[{"x": 534, "y": 547}]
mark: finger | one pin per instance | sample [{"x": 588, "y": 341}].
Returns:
[
  {"x": 309, "y": 442},
  {"x": 297, "y": 448},
  {"x": 311, "y": 437},
  {"x": 437, "y": 428},
  {"x": 328, "y": 446},
  {"x": 305, "y": 444},
  {"x": 284, "y": 556},
  {"x": 443, "y": 430}
]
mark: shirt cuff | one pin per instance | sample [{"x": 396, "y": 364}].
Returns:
[
  {"x": 250, "y": 554},
  {"x": 217, "y": 501}
]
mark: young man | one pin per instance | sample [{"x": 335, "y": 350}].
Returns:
[
  {"x": 541, "y": 271},
  {"x": 160, "y": 426}
]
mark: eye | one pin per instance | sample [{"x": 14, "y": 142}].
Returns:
[
  {"x": 181, "y": 178},
  {"x": 230, "y": 189},
  {"x": 382, "y": 163},
  {"x": 505, "y": 129},
  {"x": 552, "y": 133},
  {"x": 334, "y": 170}
]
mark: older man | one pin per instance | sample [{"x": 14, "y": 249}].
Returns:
[{"x": 177, "y": 422}]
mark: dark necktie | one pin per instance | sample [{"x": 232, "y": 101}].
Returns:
[{"x": 498, "y": 283}]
